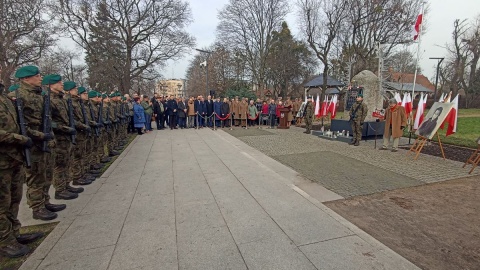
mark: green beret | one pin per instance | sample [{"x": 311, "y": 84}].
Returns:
[
  {"x": 124, "y": 98},
  {"x": 360, "y": 95},
  {"x": 104, "y": 96},
  {"x": 51, "y": 79},
  {"x": 13, "y": 87},
  {"x": 117, "y": 94},
  {"x": 69, "y": 85},
  {"x": 81, "y": 90},
  {"x": 26, "y": 71},
  {"x": 92, "y": 94}
]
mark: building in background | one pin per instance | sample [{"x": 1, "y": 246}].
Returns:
[{"x": 171, "y": 87}]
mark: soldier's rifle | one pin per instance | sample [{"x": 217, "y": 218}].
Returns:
[
  {"x": 46, "y": 120},
  {"x": 71, "y": 119},
  {"x": 23, "y": 128},
  {"x": 107, "y": 121},
  {"x": 85, "y": 116},
  {"x": 115, "y": 115},
  {"x": 92, "y": 115}
]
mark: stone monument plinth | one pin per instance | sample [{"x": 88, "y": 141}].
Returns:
[{"x": 372, "y": 95}]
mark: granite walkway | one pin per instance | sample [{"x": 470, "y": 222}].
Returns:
[{"x": 202, "y": 199}]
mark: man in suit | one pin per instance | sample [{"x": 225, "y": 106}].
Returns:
[
  {"x": 209, "y": 111},
  {"x": 172, "y": 112}
]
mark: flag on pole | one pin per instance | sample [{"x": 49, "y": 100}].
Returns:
[
  {"x": 442, "y": 97},
  {"x": 333, "y": 107},
  {"x": 408, "y": 104},
  {"x": 452, "y": 118},
  {"x": 420, "y": 111},
  {"x": 398, "y": 98},
  {"x": 447, "y": 97},
  {"x": 317, "y": 107},
  {"x": 323, "y": 108},
  {"x": 416, "y": 27}
]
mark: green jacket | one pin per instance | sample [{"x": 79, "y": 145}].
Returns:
[
  {"x": 10, "y": 138},
  {"x": 252, "y": 111},
  {"x": 309, "y": 110},
  {"x": 148, "y": 109},
  {"x": 360, "y": 113}
]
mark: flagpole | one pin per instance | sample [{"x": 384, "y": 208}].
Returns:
[{"x": 416, "y": 69}]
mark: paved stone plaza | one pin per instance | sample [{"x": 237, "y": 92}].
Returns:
[
  {"x": 349, "y": 170},
  {"x": 202, "y": 199}
]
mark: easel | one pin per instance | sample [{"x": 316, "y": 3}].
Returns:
[
  {"x": 474, "y": 159},
  {"x": 420, "y": 143}
]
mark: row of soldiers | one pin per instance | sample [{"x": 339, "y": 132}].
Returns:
[{"x": 52, "y": 133}]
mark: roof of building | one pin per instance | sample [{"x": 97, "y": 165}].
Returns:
[
  {"x": 318, "y": 82},
  {"x": 405, "y": 87},
  {"x": 399, "y": 77}
]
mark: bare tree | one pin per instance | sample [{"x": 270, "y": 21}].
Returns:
[
  {"x": 246, "y": 26},
  {"x": 151, "y": 32},
  {"x": 321, "y": 22},
  {"x": 26, "y": 33}
]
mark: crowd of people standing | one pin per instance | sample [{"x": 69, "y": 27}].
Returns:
[{"x": 198, "y": 112}]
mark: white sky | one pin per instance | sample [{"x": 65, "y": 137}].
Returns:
[{"x": 439, "y": 21}]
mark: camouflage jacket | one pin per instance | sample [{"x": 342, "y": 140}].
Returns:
[
  {"x": 360, "y": 113},
  {"x": 32, "y": 109},
  {"x": 78, "y": 114},
  {"x": 10, "y": 139},
  {"x": 114, "y": 111},
  {"x": 60, "y": 120},
  {"x": 106, "y": 112},
  {"x": 87, "y": 103},
  {"x": 309, "y": 110}
]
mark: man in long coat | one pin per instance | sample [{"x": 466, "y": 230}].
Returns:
[{"x": 395, "y": 122}]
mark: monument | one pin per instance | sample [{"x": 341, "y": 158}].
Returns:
[{"x": 366, "y": 83}]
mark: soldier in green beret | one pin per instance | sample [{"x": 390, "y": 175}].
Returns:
[
  {"x": 77, "y": 169},
  {"x": 107, "y": 121},
  {"x": 63, "y": 131},
  {"x": 12, "y": 177},
  {"x": 93, "y": 167},
  {"x": 30, "y": 92},
  {"x": 13, "y": 87}
]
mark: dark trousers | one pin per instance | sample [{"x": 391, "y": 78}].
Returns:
[
  {"x": 159, "y": 121},
  {"x": 201, "y": 120},
  {"x": 131, "y": 128},
  {"x": 273, "y": 120},
  {"x": 182, "y": 122},
  {"x": 172, "y": 121}
]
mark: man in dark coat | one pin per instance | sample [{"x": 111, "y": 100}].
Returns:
[
  {"x": 209, "y": 111},
  {"x": 225, "y": 110},
  {"x": 198, "y": 117},
  {"x": 181, "y": 113},
  {"x": 158, "y": 111},
  {"x": 217, "y": 105},
  {"x": 172, "y": 112}
]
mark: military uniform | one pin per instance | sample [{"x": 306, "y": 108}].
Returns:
[
  {"x": 358, "y": 112},
  {"x": 308, "y": 116}
]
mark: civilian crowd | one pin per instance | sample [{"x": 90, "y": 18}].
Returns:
[{"x": 171, "y": 112}]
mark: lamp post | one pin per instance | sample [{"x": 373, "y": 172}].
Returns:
[
  {"x": 440, "y": 59},
  {"x": 206, "y": 66}
]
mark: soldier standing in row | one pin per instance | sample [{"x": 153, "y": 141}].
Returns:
[
  {"x": 308, "y": 115},
  {"x": 12, "y": 177},
  {"x": 358, "y": 112}
]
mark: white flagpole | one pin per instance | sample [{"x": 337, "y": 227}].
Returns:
[{"x": 418, "y": 55}]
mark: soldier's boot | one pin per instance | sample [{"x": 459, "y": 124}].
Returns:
[
  {"x": 26, "y": 238},
  {"x": 89, "y": 177},
  {"x": 14, "y": 250},
  {"x": 75, "y": 189},
  {"x": 114, "y": 153},
  {"x": 95, "y": 172},
  {"x": 106, "y": 159},
  {"x": 357, "y": 143},
  {"x": 44, "y": 214},
  {"x": 55, "y": 207},
  {"x": 81, "y": 182},
  {"x": 65, "y": 195},
  {"x": 97, "y": 166},
  {"x": 353, "y": 142}
]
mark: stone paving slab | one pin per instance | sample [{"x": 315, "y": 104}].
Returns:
[{"x": 197, "y": 199}]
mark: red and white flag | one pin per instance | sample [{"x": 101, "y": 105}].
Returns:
[
  {"x": 419, "y": 115},
  {"x": 416, "y": 28},
  {"x": 323, "y": 109},
  {"x": 452, "y": 118},
  {"x": 332, "y": 108},
  {"x": 407, "y": 103},
  {"x": 442, "y": 97},
  {"x": 317, "y": 107},
  {"x": 398, "y": 98}
]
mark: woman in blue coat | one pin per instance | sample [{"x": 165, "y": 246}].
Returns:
[{"x": 138, "y": 116}]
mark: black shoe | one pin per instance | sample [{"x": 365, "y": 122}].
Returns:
[
  {"x": 81, "y": 182},
  {"x": 97, "y": 166},
  {"x": 93, "y": 175},
  {"x": 356, "y": 144},
  {"x": 27, "y": 238},
  {"x": 75, "y": 189},
  {"x": 44, "y": 214},
  {"x": 95, "y": 171},
  {"x": 65, "y": 195},
  {"x": 90, "y": 177},
  {"x": 55, "y": 207},
  {"x": 106, "y": 159},
  {"x": 114, "y": 153},
  {"x": 14, "y": 250},
  {"x": 352, "y": 142}
]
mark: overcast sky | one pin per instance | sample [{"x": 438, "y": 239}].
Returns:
[{"x": 439, "y": 21}]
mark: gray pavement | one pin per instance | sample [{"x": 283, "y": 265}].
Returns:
[{"x": 202, "y": 199}]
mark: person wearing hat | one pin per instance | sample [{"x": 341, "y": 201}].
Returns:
[
  {"x": 113, "y": 134},
  {"x": 63, "y": 132},
  {"x": 98, "y": 142},
  {"x": 395, "y": 122},
  {"x": 12, "y": 177},
  {"x": 358, "y": 112},
  {"x": 78, "y": 162},
  {"x": 92, "y": 166},
  {"x": 308, "y": 115},
  {"x": 36, "y": 177}
]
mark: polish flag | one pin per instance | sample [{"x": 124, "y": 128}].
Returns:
[
  {"x": 442, "y": 97},
  {"x": 408, "y": 105},
  {"x": 422, "y": 104},
  {"x": 416, "y": 27},
  {"x": 448, "y": 97},
  {"x": 317, "y": 107},
  {"x": 323, "y": 109},
  {"x": 333, "y": 107},
  {"x": 452, "y": 118},
  {"x": 398, "y": 98}
]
